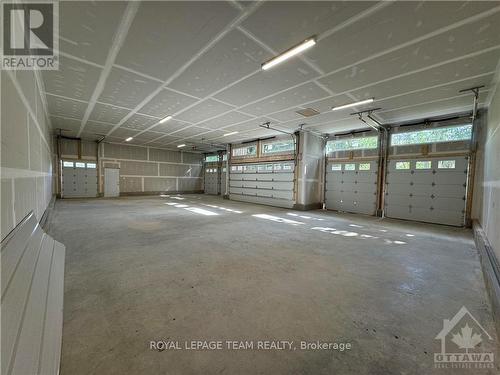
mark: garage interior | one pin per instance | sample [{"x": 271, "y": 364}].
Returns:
[{"x": 263, "y": 172}]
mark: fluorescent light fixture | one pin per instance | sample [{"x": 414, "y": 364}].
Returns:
[
  {"x": 129, "y": 139},
  {"x": 353, "y": 104},
  {"x": 165, "y": 119},
  {"x": 182, "y": 145},
  {"x": 291, "y": 52},
  {"x": 225, "y": 135}
]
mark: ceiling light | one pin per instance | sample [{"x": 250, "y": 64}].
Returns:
[
  {"x": 353, "y": 104},
  {"x": 225, "y": 135},
  {"x": 291, "y": 52},
  {"x": 165, "y": 119},
  {"x": 179, "y": 146},
  {"x": 129, "y": 139}
]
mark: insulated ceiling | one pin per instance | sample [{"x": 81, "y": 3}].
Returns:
[{"x": 124, "y": 66}]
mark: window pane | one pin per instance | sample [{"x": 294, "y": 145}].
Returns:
[
  {"x": 423, "y": 164},
  {"x": 364, "y": 166},
  {"x": 211, "y": 158},
  {"x": 336, "y": 167},
  {"x": 278, "y": 146},
  {"x": 68, "y": 164},
  {"x": 403, "y": 165},
  {"x": 80, "y": 165},
  {"x": 245, "y": 151},
  {"x": 448, "y": 134},
  {"x": 446, "y": 164},
  {"x": 350, "y": 167},
  {"x": 91, "y": 165},
  {"x": 224, "y": 157},
  {"x": 287, "y": 167},
  {"x": 352, "y": 144}
]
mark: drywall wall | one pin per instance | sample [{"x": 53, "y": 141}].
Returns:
[
  {"x": 26, "y": 154},
  {"x": 489, "y": 174},
  {"x": 149, "y": 170},
  {"x": 310, "y": 171}
]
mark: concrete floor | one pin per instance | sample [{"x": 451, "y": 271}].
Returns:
[{"x": 141, "y": 269}]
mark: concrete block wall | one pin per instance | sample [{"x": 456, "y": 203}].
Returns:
[
  {"x": 151, "y": 170},
  {"x": 26, "y": 149}
]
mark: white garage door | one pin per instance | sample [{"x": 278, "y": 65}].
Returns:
[
  {"x": 263, "y": 183},
  {"x": 432, "y": 190},
  {"x": 79, "y": 179},
  {"x": 211, "y": 180},
  {"x": 352, "y": 186}
]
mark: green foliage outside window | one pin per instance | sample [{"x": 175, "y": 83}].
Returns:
[
  {"x": 448, "y": 134},
  {"x": 352, "y": 144}
]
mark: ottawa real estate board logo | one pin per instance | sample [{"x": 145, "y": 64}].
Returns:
[
  {"x": 30, "y": 35},
  {"x": 461, "y": 343}
]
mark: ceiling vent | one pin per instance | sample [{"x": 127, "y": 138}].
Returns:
[{"x": 308, "y": 112}]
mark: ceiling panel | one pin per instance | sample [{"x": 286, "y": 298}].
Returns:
[
  {"x": 167, "y": 102},
  {"x": 169, "y": 126},
  {"x": 339, "y": 126},
  {"x": 301, "y": 94},
  {"x": 472, "y": 66},
  {"x": 431, "y": 109},
  {"x": 67, "y": 124},
  {"x": 266, "y": 83},
  {"x": 139, "y": 122},
  {"x": 123, "y": 133},
  {"x": 108, "y": 113},
  {"x": 97, "y": 127},
  {"x": 165, "y": 35},
  {"x": 126, "y": 89},
  {"x": 225, "y": 120},
  {"x": 66, "y": 107},
  {"x": 247, "y": 125},
  {"x": 74, "y": 79},
  {"x": 167, "y": 139},
  {"x": 87, "y": 28},
  {"x": 437, "y": 93},
  {"x": 148, "y": 136},
  {"x": 473, "y": 38},
  {"x": 393, "y": 25},
  {"x": 204, "y": 110},
  {"x": 90, "y": 136},
  {"x": 233, "y": 57},
  {"x": 282, "y": 24},
  {"x": 191, "y": 131}
]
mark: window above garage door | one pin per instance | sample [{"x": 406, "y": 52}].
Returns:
[
  {"x": 360, "y": 143},
  {"x": 436, "y": 135}
]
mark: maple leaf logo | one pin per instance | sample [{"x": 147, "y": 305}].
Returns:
[{"x": 466, "y": 340}]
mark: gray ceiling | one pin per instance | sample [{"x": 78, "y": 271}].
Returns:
[{"x": 124, "y": 66}]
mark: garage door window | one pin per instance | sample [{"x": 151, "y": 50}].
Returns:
[
  {"x": 446, "y": 164},
  {"x": 80, "y": 165},
  {"x": 68, "y": 164},
  {"x": 278, "y": 146},
  {"x": 211, "y": 158},
  {"x": 350, "y": 167},
  {"x": 427, "y": 164},
  {"x": 245, "y": 151},
  {"x": 403, "y": 165},
  {"x": 336, "y": 167},
  {"x": 352, "y": 144},
  {"x": 91, "y": 166},
  {"x": 436, "y": 135},
  {"x": 364, "y": 166}
]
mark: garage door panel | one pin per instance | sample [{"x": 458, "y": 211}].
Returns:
[
  {"x": 264, "y": 183},
  {"x": 79, "y": 182},
  {"x": 436, "y": 195},
  {"x": 351, "y": 190}
]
